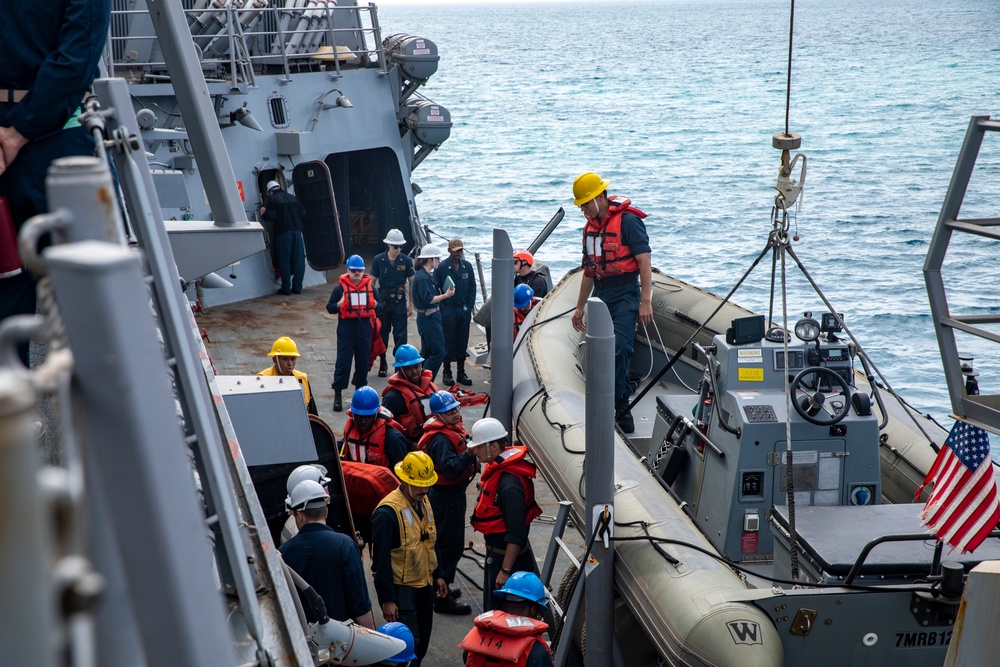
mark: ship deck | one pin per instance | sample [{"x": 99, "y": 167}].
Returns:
[{"x": 238, "y": 338}]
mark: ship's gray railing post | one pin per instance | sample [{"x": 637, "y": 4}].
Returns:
[
  {"x": 27, "y": 614},
  {"x": 242, "y": 562},
  {"x": 502, "y": 342},
  {"x": 599, "y": 431},
  {"x": 377, "y": 32},
  {"x": 139, "y": 448},
  {"x": 983, "y": 409}
]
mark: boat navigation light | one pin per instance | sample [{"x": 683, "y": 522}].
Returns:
[{"x": 807, "y": 329}]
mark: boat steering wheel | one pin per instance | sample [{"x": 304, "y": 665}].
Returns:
[{"x": 810, "y": 407}]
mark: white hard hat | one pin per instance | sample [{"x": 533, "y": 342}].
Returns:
[
  {"x": 394, "y": 237},
  {"x": 487, "y": 430},
  {"x": 429, "y": 251},
  {"x": 271, "y": 185},
  {"x": 308, "y": 495},
  {"x": 313, "y": 471}
]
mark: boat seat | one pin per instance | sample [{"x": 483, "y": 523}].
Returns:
[{"x": 832, "y": 538}]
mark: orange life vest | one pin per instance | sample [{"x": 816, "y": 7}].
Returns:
[
  {"x": 519, "y": 316},
  {"x": 605, "y": 254},
  {"x": 369, "y": 447},
  {"x": 487, "y": 517},
  {"x": 414, "y": 397},
  {"x": 499, "y": 637},
  {"x": 458, "y": 437},
  {"x": 359, "y": 300}
]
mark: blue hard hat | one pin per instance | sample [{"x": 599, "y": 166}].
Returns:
[
  {"x": 398, "y": 630},
  {"x": 523, "y": 294},
  {"x": 355, "y": 263},
  {"x": 442, "y": 401},
  {"x": 525, "y": 585},
  {"x": 407, "y": 355},
  {"x": 364, "y": 402}
]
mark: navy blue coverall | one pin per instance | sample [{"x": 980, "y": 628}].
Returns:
[
  {"x": 456, "y": 311},
  {"x": 50, "y": 55},
  {"x": 330, "y": 562},
  {"x": 285, "y": 212},
  {"x": 392, "y": 277},
  {"x": 428, "y": 322}
]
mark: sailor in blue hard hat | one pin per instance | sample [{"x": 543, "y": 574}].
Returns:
[
  {"x": 408, "y": 393},
  {"x": 355, "y": 302},
  {"x": 399, "y": 631},
  {"x": 524, "y": 301},
  {"x": 371, "y": 434},
  {"x": 444, "y": 440},
  {"x": 512, "y": 635}
]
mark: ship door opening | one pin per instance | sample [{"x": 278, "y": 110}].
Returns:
[{"x": 371, "y": 199}]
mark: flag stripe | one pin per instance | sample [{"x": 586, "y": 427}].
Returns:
[{"x": 964, "y": 506}]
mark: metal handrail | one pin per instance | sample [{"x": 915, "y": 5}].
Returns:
[
  {"x": 249, "y": 41},
  {"x": 906, "y": 537}
]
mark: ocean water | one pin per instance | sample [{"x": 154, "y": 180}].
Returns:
[{"x": 675, "y": 101}]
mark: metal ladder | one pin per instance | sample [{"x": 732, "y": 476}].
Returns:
[{"x": 983, "y": 410}]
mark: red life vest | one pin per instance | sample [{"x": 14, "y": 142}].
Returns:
[
  {"x": 458, "y": 437},
  {"x": 499, "y": 637},
  {"x": 519, "y": 316},
  {"x": 487, "y": 517},
  {"x": 412, "y": 421},
  {"x": 366, "y": 485},
  {"x": 605, "y": 254},
  {"x": 369, "y": 447},
  {"x": 359, "y": 300}
]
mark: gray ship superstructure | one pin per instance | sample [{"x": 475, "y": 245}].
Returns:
[{"x": 308, "y": 93}]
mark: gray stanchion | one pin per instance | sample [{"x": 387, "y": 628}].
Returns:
[
  {"x": 502, "y": 344},
  {"x": 599, "y": 431},
  {"x": 27, "y": 610},
  {"x": 139, "y": 447}
]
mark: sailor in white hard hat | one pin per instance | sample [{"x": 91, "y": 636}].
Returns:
[
  {"x": 328, "y": 560},
  {"x": 286, "y": 215},
  {"x": 505, "y": 508},
  {"x": 393, "y": 273},
  {"x": 426, "y": 301}
]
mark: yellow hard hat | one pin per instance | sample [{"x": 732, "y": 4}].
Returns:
[
  {"x": 587, "y": 186},
  {"x": 284, "y": 347},
  {"x": 417, "y": 469}
]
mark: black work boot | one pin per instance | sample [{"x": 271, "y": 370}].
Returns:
[
  {"x": 448, "y": 605},
  {"x": 383, "y": 368},
  {"x": 623, "y": 416},
  {"x": 338, "y": 402},
  {"x": 461, "y": 376},
  {"x": 446, "y": 377}
]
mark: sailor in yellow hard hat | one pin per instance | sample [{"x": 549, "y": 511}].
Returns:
[
  {"x": 285, "y": 353},
  {"x": 618, "y": 271},
  {"x": 404, "y": 565}
]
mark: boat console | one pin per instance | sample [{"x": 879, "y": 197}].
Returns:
[{"x": 724, "y": 451}]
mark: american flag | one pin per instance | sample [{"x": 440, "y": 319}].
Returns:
[{"x": 963, "y": 508}]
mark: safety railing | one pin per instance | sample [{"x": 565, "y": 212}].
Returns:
[{"x": 239, "y": 39}]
